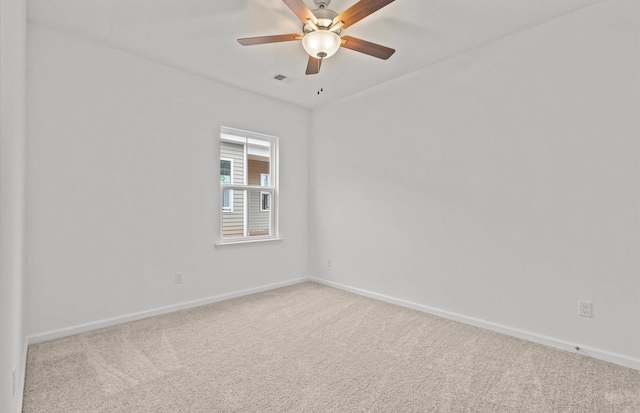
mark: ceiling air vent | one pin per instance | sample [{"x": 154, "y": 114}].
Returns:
[{"x": 279, "y": 77}]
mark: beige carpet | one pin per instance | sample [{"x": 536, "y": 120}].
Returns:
[{"x": 311, "y": 348}]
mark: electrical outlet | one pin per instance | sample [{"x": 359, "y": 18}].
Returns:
[
  {"x": 585, "y": 309},
  {"x": 178, "y": 276},
  {"x": 329, "y": 262}
]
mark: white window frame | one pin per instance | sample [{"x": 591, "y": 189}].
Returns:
[
  {"x": 241, "y": 136},
  {"x": 230, "y": 208}
]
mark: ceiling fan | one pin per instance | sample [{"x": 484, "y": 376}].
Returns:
[{"x": 322, "y": 28}]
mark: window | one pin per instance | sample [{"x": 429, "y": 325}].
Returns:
[
  {"x": 265, "y": 197},
  {"x": 227, "y": 205},
  {"x": 226, "y": 166},
  {"x": 265, "y": 201},
  {"x": 248, "y": 186}
]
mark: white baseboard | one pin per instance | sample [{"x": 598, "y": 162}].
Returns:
[
  {"x": 616, "y": 358},
  {"x": 82, "y": 328},
  {"x": 611, "y": 357}
]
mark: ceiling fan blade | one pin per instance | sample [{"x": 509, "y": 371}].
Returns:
[
  {"x": 250, "y": 41},
  {"x": 301, "y": 10},
  {"x": 366, "y": 47},
  {"x": 313, "y": 66},
  {"x": 359, "y": 11}
]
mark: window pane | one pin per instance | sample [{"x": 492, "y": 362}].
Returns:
[
  {"x": 233, "y": 222},
  {"x": 232, "y": 168},
  {"x": 259, "y": 162},
  {"x": 259, "y": 219}
]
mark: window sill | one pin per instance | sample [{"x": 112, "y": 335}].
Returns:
[{"x": 245, "y": 242}]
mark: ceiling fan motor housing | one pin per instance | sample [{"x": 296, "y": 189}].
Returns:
[
  {"x": 322, "y": 3},
  {"x": 325, "y": 19}
]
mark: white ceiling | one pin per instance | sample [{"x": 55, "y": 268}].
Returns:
[{"x": 199, "y": 36}]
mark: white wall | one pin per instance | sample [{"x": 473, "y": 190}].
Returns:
[
  {"x": 122, "y": 185},
  {"x": 502, "y": 184},
  {"x": 12, "y": 160}
]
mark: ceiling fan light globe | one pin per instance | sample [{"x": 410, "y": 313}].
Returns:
[{"x": 321, "y": 43}]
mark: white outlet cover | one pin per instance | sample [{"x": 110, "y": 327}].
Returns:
[{"x": 585, "y": 308}]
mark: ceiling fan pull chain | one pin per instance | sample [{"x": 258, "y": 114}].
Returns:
[{"x": 319, "y": 77}]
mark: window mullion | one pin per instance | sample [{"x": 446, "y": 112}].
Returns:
[{"x": 250, "y": 187}]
